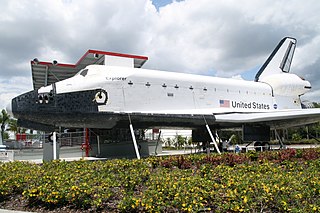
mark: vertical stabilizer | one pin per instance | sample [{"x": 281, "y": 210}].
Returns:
[{"x": 280, "y": 59}]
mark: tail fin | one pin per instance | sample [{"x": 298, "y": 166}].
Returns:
[{"x": 279, "y": 60}]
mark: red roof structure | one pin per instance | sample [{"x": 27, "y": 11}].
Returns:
[{"x": 46, "y": 73}]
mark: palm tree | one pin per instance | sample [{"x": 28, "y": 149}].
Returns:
[
  {"x": 4, "y": 119},
  {"x": 13, "y": 126}
]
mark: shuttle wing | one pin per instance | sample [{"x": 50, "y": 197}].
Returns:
[
  {"x": 278, "y": 119},
  {"x": 229, "y": 119}
]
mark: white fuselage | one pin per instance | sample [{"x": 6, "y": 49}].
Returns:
[{"x": 147, "y": 91}]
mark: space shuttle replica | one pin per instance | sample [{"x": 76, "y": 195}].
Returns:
[{"x": 107, "y": 90}]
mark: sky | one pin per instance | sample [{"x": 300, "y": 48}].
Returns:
[{"x": 227, "y": 38}]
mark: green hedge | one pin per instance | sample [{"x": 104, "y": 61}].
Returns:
[{"x": 282, "y": 181}]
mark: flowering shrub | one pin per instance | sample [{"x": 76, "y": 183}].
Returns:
[
  {"x": 282, "y": 181},
  {"x": 310, "y": 154},
  {"x": 15, "y": 177}
]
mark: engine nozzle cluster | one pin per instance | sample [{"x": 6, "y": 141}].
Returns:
[{"x": 45, "y": 98}]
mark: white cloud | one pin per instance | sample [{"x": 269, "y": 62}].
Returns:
[
  {"x": 12, "y": 87},
  {"x": 307, "y": 54}
]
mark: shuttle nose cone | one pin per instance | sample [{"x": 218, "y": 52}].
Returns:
[{"x": 9, "y": 109}]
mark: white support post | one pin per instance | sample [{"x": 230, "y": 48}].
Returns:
[
  {"x": 212, "y": 138},
  {"x": 1, "y": 142},
  {"x": 54, "y": 137},
  {"x": 134, "y": 142},
  {"x": 98, "y": 140}
]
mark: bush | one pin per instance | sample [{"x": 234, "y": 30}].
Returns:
[{"x": 285, "y": 180}]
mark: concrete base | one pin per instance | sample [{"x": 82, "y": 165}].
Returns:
[
  {"x": 48, "y": 151},
  {"x": 6, "y": 155},
  {"x": 125, "y": 149}
]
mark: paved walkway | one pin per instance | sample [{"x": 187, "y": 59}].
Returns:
[{"x": 11, "y": 211}]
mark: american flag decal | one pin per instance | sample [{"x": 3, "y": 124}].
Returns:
[{"x": 224, "y": 103}]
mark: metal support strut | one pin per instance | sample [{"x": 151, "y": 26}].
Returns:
[
  {"x": 279, "y": 139},
  {"x": 134, "y": 139},
  {"x": 159, "y": 137},
  {"x": 54, "y": 137},
  {"x": 210, "y": 133},
  {"x": 212, "y": 138}
]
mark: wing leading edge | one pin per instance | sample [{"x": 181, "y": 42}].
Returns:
[
  {"x": 278, "y": 119},
  {"x": 196, "y": 117}
]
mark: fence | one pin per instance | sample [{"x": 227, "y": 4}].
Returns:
[
  {"x": 35, "y": 141},
  {"x": 171, "y": 139},
  {"x": 72, "y": 138}
]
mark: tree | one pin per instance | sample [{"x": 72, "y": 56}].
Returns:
[
  {"x": 13, "y": 126},
  {"x": 168, "y": 142},
  {"x": 4, "y": 119},
  {"x": 5, "y": 135},
  {"x": 296, "y": 137},
  {"x": 190, "y": 142},
  {"x": 316, "y": 105},
  {"x": 180, "y": 141}
]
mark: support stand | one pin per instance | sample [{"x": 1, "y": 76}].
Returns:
[
  {"x": 87, "y": 144},
  {"x": 98, "y": 140},
  {"x": 212, "y": 138},
  {"x": 279, "y": 139},
  {"x": 54, "y": 138},
  {"x": 134, "y": 139},
  {"x": 1, "y": 142},
  {"x": 51, "y": 148},
  {"x": 155, "y": 151}
]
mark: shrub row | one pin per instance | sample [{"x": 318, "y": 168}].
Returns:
[{"x": 286, "y": 180}]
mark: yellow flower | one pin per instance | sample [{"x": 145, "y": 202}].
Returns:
[
  {"x": 237, "y": 208},
  {"x": 245, "y": 199}
]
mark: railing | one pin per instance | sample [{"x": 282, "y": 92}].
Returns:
[
  {"x": 27, "y": 144},
  {"x": 71, "y": 138},
  {"x": 36, "y": 141}
]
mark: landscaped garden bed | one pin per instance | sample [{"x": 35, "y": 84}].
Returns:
[{"x": 277, "y": 181}]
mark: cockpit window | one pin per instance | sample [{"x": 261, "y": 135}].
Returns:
[{"x": 84, "y": 72}]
